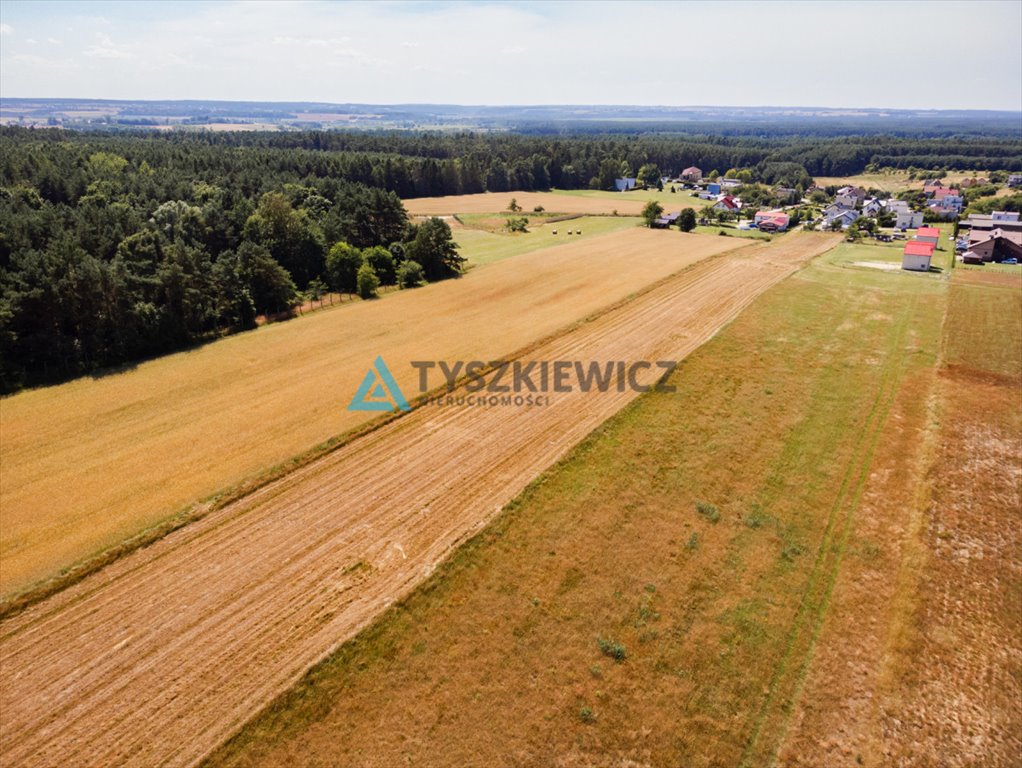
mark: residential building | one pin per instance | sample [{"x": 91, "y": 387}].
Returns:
[
  {"x": 917, "y": 256},
  {"x": 928, "y": 235},
  {"x": 772, "y": 221},
  {"x": 728, "y": 203},
  {"x": 997, "y": 246},
  {"x": 872, "y": 207},
  {"x": 907, "y": 219},
  {"x": 1015, "y": 180},
  {"x": 843, "y": 215},
  {"x": 944, "y": 212},
  {"x": 896, "y": 206},
  {"x": 692, "y": 174},
  {"x": 730, "y": 183},
  {"x": 623, "y": 185}
]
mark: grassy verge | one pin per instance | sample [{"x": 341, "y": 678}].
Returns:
[{"x": 657, "y": 595}]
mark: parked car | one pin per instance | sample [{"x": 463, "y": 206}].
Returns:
[{"x": 1012, "y": 260}]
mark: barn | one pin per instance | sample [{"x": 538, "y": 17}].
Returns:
[{"x": 917, "y": 256}]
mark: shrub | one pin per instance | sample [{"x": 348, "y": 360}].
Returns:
[
  {"x": 586, "y": 715},
  {"x": 368, "y": 282},
  {"x": 409, "y": 274},
  {"x": 708, "y": 511},
  {"x": 612, "y": 648}
]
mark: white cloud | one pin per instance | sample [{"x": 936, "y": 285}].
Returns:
[
  {"x": 568, "y": 52},
  {"x": 106, "y": 50}
]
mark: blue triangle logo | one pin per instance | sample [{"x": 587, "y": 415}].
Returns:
[{"x": 379, "y": 391}]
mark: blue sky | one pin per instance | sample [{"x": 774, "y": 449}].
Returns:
[{"x": 948, "y": 55}]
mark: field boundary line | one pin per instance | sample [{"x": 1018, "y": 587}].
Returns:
[{"x": 19, "y": 601}]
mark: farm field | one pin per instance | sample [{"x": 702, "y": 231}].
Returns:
[
  {"x": 114, "y": 455},
  {"x": 745, "y": 571},
  {"x": 893, "y": 180},
  {"x": 751, "y": 234},
  {"x": 552, "y": 202},
  {"x": 672, "y": 201},
  {"x": 272, "y": 583},
  {"x": 480, "y": 245}
]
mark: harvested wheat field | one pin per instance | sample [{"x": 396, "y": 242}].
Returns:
[
  {"x": 162, "y": 655},
  {"x": 731, "y": 574},
  {"x": 113, "y": 455},
  {"x": 496, "y": 202}
]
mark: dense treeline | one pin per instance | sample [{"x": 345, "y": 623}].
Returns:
[{"x": 117, "y": 246}]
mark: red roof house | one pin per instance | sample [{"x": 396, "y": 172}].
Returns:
[
  {"x": 916, "y": 248},
  {"x": 928, "y": 234},
  {"x": 917, "y": 256}
]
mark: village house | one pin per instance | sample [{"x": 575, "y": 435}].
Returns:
[
  {"x": 1015, "y": 180},
  {"x": 730, "y": 183},
  {"x": 928, "y": 235},
  {"x": 728, "y": 203},
  {"x": 943, "y": 212},
  {"x": 692, "y": 174},
  {"x": 907, "y": 219},
  {"x": 872, "y": 207},
  {"x": 772, "y": 221},
  {"x": 784, "y": 193},
  {"x": 949, "y": 198},
  {"x": 974, "y": 182},
  {"x": 930, "y": 187},
  {"x": 997, "y": 245},
  {"x": 843, "y": 215},
  {"x": 917, "y": 256},
  {"x": 896, "y": 206},
  {"x": 624, "y": 185},
  {"x": 666, "y": 220},
  {"x": 850, "y": 197}
]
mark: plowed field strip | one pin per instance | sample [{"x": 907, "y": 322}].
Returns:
[{"x": 160, "y": 657}]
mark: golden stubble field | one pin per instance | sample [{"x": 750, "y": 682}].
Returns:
[
  {"x": 490, "y": 202},
  {"x": 159, "y": 657},
  {"x": 89, "y": 463}
]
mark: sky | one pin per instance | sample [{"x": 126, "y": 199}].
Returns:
[{"x": 940, "y": 54}]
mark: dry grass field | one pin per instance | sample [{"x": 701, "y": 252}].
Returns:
[
  {"x": 807, "y": 555},
  {"x": 89, "y": 463},
  {"x": 110, "y": 670},
  {"x": 552, "y": 202}
]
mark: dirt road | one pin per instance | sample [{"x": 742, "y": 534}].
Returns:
[{"x": 161, "y": 656}]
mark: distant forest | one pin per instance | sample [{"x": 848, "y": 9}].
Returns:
[{"x": 115, "y": 246}]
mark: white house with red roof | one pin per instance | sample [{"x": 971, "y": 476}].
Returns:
[
  {"x": 728, "y": 203},
  {"x": 917, "y": 256}
]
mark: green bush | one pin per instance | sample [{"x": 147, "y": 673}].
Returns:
[
  {"x": 367, "y": 280},
  {"x": 409, "y": 275},
  {"x": 708, "y": 511},
  {"x": 612, "y": 648}
]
